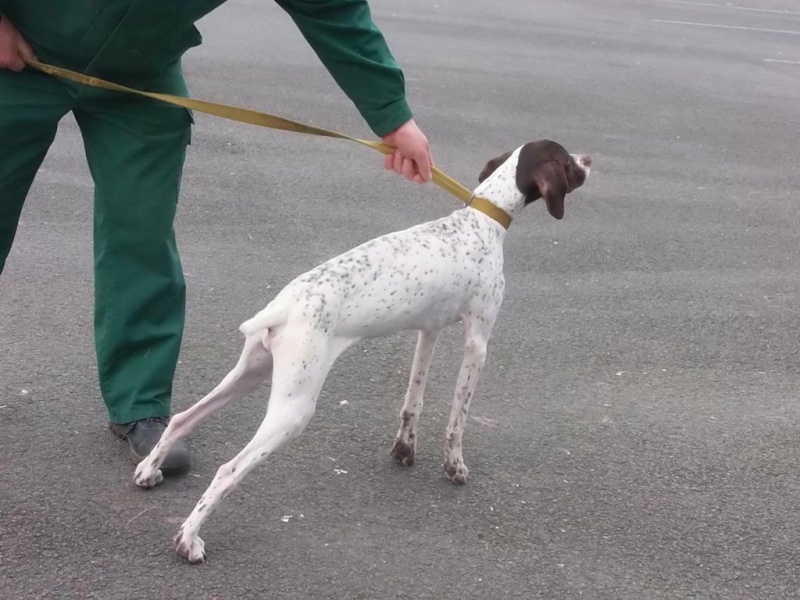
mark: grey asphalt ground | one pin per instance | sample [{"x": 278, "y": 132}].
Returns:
[{"x": 636, "y": 432}]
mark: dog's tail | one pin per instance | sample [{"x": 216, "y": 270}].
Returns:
[{"x": 274, "y": 314}]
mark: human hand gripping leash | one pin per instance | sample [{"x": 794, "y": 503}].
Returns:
[
  {"x": 14, "y": 50},
  {"x": 253, "y": 117}
]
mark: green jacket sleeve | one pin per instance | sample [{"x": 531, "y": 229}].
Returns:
[{"x": 351, "y": 47}]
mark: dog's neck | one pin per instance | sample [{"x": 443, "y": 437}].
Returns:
[{"x": 500, "y": 188}]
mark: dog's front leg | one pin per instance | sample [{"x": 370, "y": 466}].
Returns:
[
  {"x": 475, "y": 349},
  {"x": 405, "y": 443}
]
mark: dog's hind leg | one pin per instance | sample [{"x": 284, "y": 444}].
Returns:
[
  {"x": 405, "y": 442},
  {"x": 302, "y": 361},
  {"x": 255, "y": 365}
]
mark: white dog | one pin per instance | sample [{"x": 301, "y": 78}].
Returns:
[{"x": 423, "y": 278}]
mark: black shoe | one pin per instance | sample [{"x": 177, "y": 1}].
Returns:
[{"x": 143, "y": 435}]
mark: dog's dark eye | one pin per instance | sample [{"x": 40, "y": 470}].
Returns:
[{"x": 575, "y": 175}]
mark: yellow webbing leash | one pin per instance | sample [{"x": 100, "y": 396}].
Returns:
[{"x": 253, "y": 117}]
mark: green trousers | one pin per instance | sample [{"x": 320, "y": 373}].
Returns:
[{"x": 135, "y": 148}]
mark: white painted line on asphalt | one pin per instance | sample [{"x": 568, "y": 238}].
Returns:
[
  {"x": 730, "y": 7},
  {"x": 782, "y": 62},
  {"x": 739, "y": 28}
]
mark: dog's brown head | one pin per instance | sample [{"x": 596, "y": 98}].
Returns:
[{"x": 545, "y": 170}]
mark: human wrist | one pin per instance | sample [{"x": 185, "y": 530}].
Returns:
[{"x": 390, "y": 117}]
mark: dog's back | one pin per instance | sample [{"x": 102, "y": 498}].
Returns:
[{"x": 423, "y": 277}]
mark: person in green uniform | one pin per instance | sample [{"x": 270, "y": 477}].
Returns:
[{"x": 135, "y": 148}]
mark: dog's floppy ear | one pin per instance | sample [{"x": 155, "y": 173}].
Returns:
[
  {"x": 541, "y": 175},
  {"x": 492, "y": 165},
  {"x": 551, "y": 180}
]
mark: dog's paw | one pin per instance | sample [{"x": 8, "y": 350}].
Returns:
[
  {"x": 193, "y": 549},
  {"x": 456, "y": 471},
  {"x": 146, "y": 477},
  {"x": 403, "y": 453}
]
